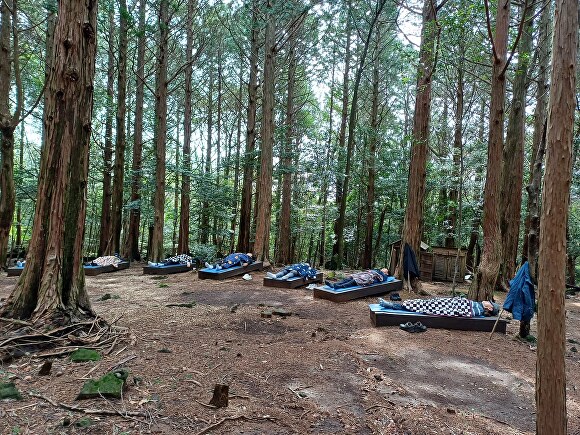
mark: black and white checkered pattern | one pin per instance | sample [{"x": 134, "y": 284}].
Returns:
[{"x": 458, "y": 307}]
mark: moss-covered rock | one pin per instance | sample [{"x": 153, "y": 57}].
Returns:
[
  {"x": 9, "y": 391},
  {"x": 83, "y": 355},
  {"x": 109, "y": 385}
]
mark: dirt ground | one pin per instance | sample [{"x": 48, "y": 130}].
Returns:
[{"x": 323, "y": 369}]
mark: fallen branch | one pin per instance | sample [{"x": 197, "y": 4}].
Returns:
[
  {"x": 125, "y": 414},
  {"x": 236, "y": 417},
  {"x": 223, "y": 420},
  {"x": 113, "y": 367}
]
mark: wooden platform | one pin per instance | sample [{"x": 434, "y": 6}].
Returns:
[
  {"x": 386, "y": 317},
  {"x": 350, "y": 293},
  {"x": 15, "y": 271},
  {"x": 97, "y": 270},
  {"x": 292, "y": 282},
  {"x": 167, "y": 270},
  {"x": 229, "y": 272}
]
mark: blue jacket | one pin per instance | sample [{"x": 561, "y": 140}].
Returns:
[{"x": 303, "y": 269}]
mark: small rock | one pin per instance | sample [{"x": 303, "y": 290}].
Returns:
[
  {"x": 266, "y": 314},
  {"x": 281, "y": 312},
  {"x": 59, "y": 374},
  {"x": 573, "y": 349},
  {"x": 378, "y": 377},
  {"x": 234, "y": 308},
  {"x": 164, "y": 350},
  {"x": 451, "y": 411}
]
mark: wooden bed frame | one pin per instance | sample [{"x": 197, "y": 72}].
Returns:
[
  {"x": 386, "y": 317},
  {"x": 350, "y": 293},
  {"x": 167, "y": 270},
  {"x": 97, "y": 270},
  {"x": 15, "y": 271},
  {"x": 292, "y": 282},
  {"x": 229, "y": 272}
]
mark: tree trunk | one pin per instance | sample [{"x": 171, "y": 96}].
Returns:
[
  {"x": 513, "y": 157},
  {"x": 340, "y": 222},
  {"x": 342, "y": 136},
  {"x": 530, "y": 253},
  {"x": 263, "y": 221},
  {"x": 413, "y": 223},
  {"x": 487, "y": 273},
  {"x": 452, "y": 231},
  {"x": 8, "y": 121},
  {"x": 183, "y": 240},
  {"x": 471, "y": 259},
  {"x": 246, "y": 201},
  {"x": 105, "y": 234},
  {"x": 204, "y": 230},
  {"x": 286, "y": 158},
  {"x": 132, "y": 251},
  {"x": 550, "y": 367},
  {"x": 237, "y": 165},
  {"x": 157, "y": 252},
  {"x": 119, "y": 168},
  {"x": 367, "y": 258},
  {"x": 52, "y": 286}
]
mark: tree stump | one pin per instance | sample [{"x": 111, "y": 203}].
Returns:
[
  {"x": 220, "y": 396},
  {"x": 45, "y": 369}
]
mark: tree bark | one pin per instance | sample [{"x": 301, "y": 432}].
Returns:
[
  {"x": 263, "y": 221},
  {"x": 131, "y": 250},
  {"x": 52, "y": 286},
  {"x": 487, "y": 273},
  {"x": 286, "y": 158},
  {"x": 413, "y": 223},
  {"x": 342, "y": 135},
  {"x": 119, "y": 167},
  {"x": 367, "y": 259},
  {"x": 550, "y": 367},
  {"x": 8, "y": 121},
  {"x": 183, "y": 239},
  {"x": 157, "y": 252},
  {"x": 204, "y": 230},
  {"x": 105, "y": 232},
  {"x": 532, "y": 222},
  {"x": 513, "y": 157}
]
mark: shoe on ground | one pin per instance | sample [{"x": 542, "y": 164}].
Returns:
[
  {"x": 207, "y": 265},
  {"x": 247, "y": 277}
]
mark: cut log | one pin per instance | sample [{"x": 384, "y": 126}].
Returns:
[{"x": 220, "y": 396}]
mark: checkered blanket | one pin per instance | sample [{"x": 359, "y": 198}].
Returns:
[
  {"x": 458, "y": 307},
  {"x": 179, "y": 259},
  {"x": 107, "y": 260}
]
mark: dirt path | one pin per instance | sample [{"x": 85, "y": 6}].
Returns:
[{"x": 324, "y": 369}]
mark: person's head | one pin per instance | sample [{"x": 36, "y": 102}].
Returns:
[
  {"x": 385, "y": 271},
  {"x": 249, "y": 254},
  {"x": 490, "y": 308}
]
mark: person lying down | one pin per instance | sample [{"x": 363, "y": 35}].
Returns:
[
  {"x": 367, "y": 277},
  {"x": 176, "y": 259},
  {"x": 232, "y": 260},
  {"x": 295, "y": 270},
  {"x": 107, "y": 260},
  {"x": 456, "y": 307}
]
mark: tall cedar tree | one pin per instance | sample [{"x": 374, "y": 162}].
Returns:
[
  {"x": 131, "y": 250},
  {"x": 264, "y": 209},
  {"x": 51, "y": 288},
  {"x": 341, "y": 220},
  {"x": 8, "y": 121},
  {"x": 413, "y": 224},
  {"x": 157, "y": 252},
  {"x": 120, "y": 143},
  {"x": 551, "y": 368},
  {"x": 486, "y": 276}
]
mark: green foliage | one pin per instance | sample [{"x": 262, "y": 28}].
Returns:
[{"x": 83, "y": 355}]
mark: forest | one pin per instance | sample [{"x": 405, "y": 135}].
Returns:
[{"x": 300, "y": 131}]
